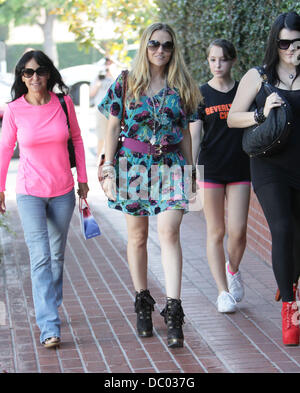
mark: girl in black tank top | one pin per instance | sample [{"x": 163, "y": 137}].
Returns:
[
  {"x": 226, "y": 176},
  {"x": 276, "y": 179}
]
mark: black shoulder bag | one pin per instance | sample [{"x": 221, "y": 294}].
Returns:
[
  {"x": 269, "y": 137},
  {"x": 70, "y": 142}
]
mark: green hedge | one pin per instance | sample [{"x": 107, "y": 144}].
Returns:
[
  {"x": 244, "y": 22},
  {"x": 69, "y": 54}
]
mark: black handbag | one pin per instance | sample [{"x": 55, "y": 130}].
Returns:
[
  {"x": 70, "y": 142},
  {"x": 269, "y": 137}
]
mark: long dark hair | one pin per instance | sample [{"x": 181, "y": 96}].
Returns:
[
  {"x": 287, "y": 20},
  {"x": 55, "y": 80}
]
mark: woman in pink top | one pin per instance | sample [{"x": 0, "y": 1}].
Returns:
[{"x": 45, "y": 185}]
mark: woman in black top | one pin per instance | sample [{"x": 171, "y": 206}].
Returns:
[
  {"x": 226, "y": 175},
  {"x": 276, "y": 179}
]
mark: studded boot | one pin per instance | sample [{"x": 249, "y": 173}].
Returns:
[
  {"x": 174, "y": 319},
  {"x": 143, "y": 306}
]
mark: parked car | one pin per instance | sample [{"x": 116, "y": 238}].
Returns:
[
  {"x": 6, "y": 81},
  {"x": 76, "y": 76}
]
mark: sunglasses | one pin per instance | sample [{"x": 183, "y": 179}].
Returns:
[
  {"x": 167, "y": 46},
  {"x": 285, "y": 44},
  {"x": 29, "y": 72}
]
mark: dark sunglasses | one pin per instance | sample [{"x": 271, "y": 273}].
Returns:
[
  {"x": 285, "y": 44},
  {"x": 153, "y": 45},
  {"x": 29, "y": 72}
]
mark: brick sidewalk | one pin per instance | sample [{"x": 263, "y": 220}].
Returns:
[{"x": 98, "y": 320}]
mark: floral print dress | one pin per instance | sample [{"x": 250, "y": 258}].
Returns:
[{"x": 149, "y": 184}]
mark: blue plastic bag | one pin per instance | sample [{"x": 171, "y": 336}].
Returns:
[{"x": 89, "y": 226}]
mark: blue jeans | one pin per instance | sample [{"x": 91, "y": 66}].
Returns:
[{"x": 46, "y": 223}]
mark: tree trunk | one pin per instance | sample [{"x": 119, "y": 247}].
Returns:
[{"x": 49, "y": 45}]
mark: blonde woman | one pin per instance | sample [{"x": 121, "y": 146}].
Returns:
[{"x": 145, "y": 177}]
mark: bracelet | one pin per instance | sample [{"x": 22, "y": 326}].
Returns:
[
  {"x": 108, "y": 168},
  {"x": 108, "y": 176},
  {"x": 108, "y": 163},
  {"x": 259, "y": 116}
]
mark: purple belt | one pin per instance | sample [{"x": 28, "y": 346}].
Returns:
[{"x": 147, "y": 148}]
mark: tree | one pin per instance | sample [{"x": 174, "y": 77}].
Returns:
[
  {"x": 30, "y": 12},
  {"x": 130, "y": 17},
  {"x": 82, "y": 16}
]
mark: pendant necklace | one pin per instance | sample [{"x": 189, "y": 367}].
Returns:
[
  {"x": 157, "y": 116},
  {"x": 291, "y": 76}
]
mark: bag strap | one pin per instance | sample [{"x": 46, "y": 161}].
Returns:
[
  {"x": 64, "y": 106},
  {"x": 262, "y": 73},
  {"x": 124, "y": 77},
  {"x": 268, "y": 87},
  {"x": 81, "y": 200}
]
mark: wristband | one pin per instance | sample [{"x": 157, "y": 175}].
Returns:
[
  {"x": 259, "y": 116},
  {"x": 108, "y": 169}
]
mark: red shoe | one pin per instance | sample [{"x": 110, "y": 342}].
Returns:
[
  {"x": 295, "y": 291},
  {"x": 290, "y": 323}
]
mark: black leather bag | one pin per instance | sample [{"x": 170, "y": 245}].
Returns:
[
  {"x": 269, "y": 137},
  {"x": 70, "y": 142}
]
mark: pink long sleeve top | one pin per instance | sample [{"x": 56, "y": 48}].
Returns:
[{"x": 42, "y": 133}]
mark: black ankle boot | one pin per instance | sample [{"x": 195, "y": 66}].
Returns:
[
  {"x": 144, "y": 305},
  {"x": 173, "y": 315}
]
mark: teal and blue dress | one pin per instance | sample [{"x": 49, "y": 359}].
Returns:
[{"x": 148, "y": 184}]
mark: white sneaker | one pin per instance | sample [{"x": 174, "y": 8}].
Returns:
[
  {"x": 226, "y": 302},
  {"x": 235, "y": 284}
]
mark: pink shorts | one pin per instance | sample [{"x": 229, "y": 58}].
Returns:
[{"x": 211, "y": 184}]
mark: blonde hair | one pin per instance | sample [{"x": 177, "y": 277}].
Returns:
[{"x": 176, "y": 71}]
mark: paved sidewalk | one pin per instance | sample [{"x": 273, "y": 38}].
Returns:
[{"x": 98, "y": 319}]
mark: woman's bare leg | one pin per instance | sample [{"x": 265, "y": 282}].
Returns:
[
  {"x": 214, "y": 200},
  {"x": 168, "y": 225},
  {"x": 137, "y": 250},
  {"x": 238, "y": 197}
]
